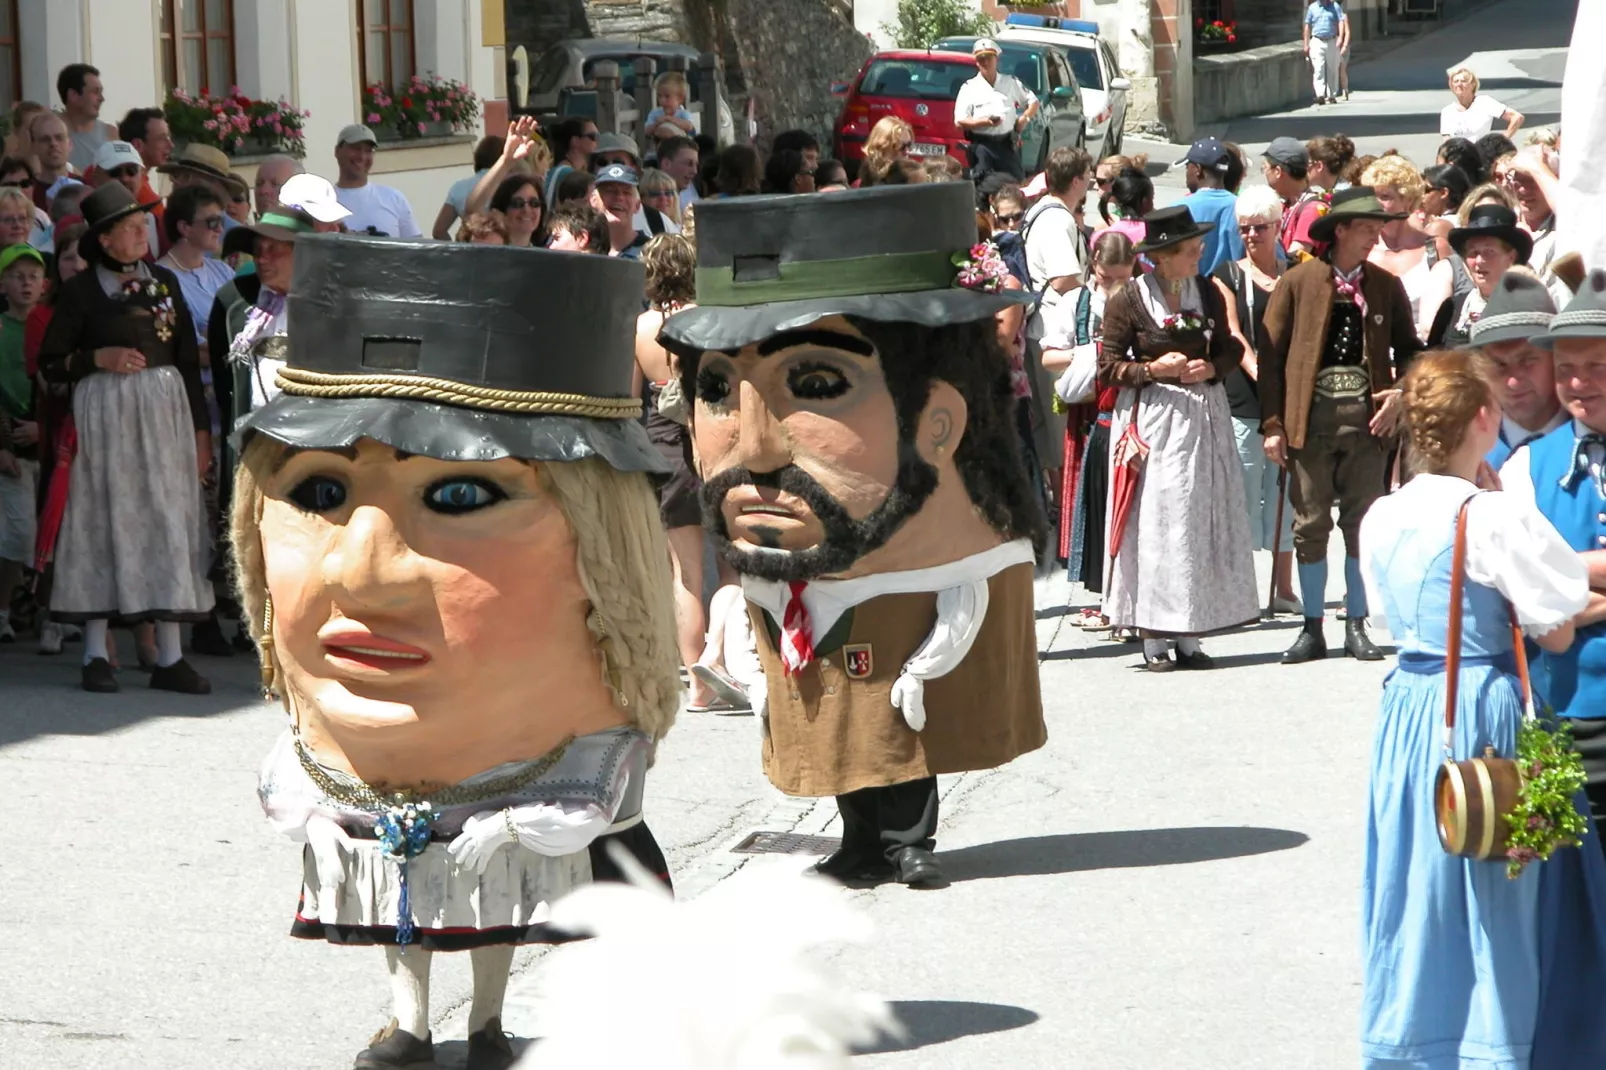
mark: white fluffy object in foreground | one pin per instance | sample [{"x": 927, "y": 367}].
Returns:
[{"x": 722, "y": 982}]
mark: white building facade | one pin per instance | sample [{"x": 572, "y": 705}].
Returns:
[{"x": 316, "y": 54}]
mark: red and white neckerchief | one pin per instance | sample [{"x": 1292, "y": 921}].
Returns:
[
  {"x": 1350, "y": 286},
  {"x": 797, "y": 641}
]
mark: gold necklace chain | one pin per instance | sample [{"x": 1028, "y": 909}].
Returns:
[{"x": 362, "y": 797}]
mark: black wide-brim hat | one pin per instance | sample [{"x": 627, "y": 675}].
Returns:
[
  {"x": 1493, "y": 221},
  {"x": 1165, "y": 227},
  {"x": 460, "y": 352},
  {"x": 101, "y": 209},
  {"x": 1519, "y": 310},
  {"x": 1347, "y": 206},
  {"x": 779, "y": 263},
  {"x": 1584, "y": 316},
  {"x": 283, "y": 223}
]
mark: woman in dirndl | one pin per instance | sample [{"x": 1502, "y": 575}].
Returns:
[
  {"x": 1463, "y": 965},
  {"x": 133, "y": 543},
  {"x": 1070, "y": 349},
  {"x": 1180, "y": 564}
]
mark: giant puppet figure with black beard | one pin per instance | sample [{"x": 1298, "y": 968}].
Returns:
[
  {"x": 452, "y": 559},
  {"x": 852, "y": 422}
]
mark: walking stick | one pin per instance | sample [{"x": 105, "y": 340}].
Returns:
[{"x": 1276, "y": 541}]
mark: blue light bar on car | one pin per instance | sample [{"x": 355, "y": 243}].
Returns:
[{"x": 1050, "y": 22}]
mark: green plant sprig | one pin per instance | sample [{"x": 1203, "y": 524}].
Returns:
[{"x": 1545, "y": 817}]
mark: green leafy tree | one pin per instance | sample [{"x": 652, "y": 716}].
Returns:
[{"x": 921, "y": 22}]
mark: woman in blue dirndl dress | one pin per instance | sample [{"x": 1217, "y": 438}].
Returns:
[{"x": 1452, "y": 948}]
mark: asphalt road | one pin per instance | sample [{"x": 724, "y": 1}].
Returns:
[{"x": 1172, "y": 881}]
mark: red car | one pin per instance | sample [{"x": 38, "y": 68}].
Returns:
[{"x": 916, "y": 85}]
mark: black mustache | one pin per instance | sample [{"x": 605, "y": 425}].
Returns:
[{"x": 789, "y": 479}]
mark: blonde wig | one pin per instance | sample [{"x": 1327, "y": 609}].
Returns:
[
  {"x": 1400, "y": 173},
  {"x": 623, "y": 562}
]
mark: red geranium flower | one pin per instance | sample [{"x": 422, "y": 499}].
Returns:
[
  {"x": 1198, "y": 24},
  {"x": 1232, "y": 38},
  {"x": 407, "y": 102}
]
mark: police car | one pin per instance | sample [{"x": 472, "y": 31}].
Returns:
[{"x": 1104, "y": 89}]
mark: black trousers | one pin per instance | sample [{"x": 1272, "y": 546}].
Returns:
[
  {"x": 880, "y": 822},
  {"x": 1589, "y": 740},
  {"x": 990, "y": 153}
]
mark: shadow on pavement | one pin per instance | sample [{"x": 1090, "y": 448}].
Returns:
[
  {"x": 1078, "y": 852},
  {"x": 937, "y": 1021}
]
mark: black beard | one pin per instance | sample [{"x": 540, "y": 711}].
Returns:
[{"x": 845, "y": 540}]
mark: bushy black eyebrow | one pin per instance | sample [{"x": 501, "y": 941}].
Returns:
[{"x": 816, "y": 336}]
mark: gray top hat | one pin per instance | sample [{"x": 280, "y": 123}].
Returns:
[
  {"x": 460, "y": 352},
  {"x": 778, "y": 263},
  {"x": 1519, "y": 309},
  {"x": 1584, "y": 316}
]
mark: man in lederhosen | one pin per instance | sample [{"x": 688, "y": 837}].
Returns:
[
  {"x": 1328, "y": 405},
  {"x": 852, "y": 424}
]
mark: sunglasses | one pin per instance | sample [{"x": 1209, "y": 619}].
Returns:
[
  {"x": 1014, "y": 217},
  {"x": 211, "y": 222},
  {"x": 658, "y": 193},
  {"x": 126, "y": 171},
  {"x": 1256, "y": 229},
  {"x": 523, "y": 202},
  {"x": 16, "y": 183},
  {"x": 590, "y": 135}
]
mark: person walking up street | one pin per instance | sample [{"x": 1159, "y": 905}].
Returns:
[
  {"x": 1328, "y": 406},
  {"x": 992, "y": 109},
  {"x": 1326, "y": 39},
  {"x": 1523, "y": 374}
]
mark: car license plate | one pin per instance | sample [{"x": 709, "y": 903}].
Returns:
[{"x": 924, "y": 148}]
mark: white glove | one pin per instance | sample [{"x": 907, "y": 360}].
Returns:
[
  {"x": 545, "y": 828},
  {"x": 329, "y": 843}
]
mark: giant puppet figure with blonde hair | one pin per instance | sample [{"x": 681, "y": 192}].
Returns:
[
  {"x": 452, "y": 559},
  {"x": 854, "y": 427}
]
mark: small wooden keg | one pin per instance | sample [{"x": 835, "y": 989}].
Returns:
[{"x": 1471, "y": 799}]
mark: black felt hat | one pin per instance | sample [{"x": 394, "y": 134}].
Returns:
[
  {"x": 1357, "y": 202},
  {"x": 1519, "y": 310},
  {"x": 1493, "y": 221},
  {"x": 460, "y": 352},
  {"x": 1584, "y": 316},
  {"x": 1171, "y": 226},
  {"x": 101, "y": 210},
  {"x": 771, "y": 264}
]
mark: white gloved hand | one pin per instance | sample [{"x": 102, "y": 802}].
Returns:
[
  {"x": 483, "y": 835},
  {"x": 329, "y": 843},
  {"x": 545, "y": 828}
]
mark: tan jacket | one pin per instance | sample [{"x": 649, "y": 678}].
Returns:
[
  {"x": 833, "y": 728},
  {"x": 1296, "y": 333}
]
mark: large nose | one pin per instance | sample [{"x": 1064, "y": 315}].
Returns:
[
  {"x": 373, "y": 564},
  {"x": 761, "y": 443}
]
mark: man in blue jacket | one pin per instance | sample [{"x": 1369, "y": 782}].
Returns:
[{"x": 1523, "y": 374}]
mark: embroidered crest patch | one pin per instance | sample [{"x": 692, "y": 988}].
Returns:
[{"x": 859, "y": 661}]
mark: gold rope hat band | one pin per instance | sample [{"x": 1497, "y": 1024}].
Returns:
[{"x": 302, "y": 383}]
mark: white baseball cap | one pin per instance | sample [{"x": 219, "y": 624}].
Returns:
[
  {"x": 355, "y": 134},
  {"x": 314, "y": 196},
  {"x": 117, "y": 154},
  {"x": 984, "y": 45}
]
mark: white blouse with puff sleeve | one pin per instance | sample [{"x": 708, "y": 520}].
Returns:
[{"x": 1510, "y": 547}]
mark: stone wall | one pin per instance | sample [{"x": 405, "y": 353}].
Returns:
[
  {"x": 788, "y": 54},
  {"x": 653, "y": 20}
]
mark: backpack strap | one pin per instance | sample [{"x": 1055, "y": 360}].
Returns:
[{"x": 1084, "y": 317}]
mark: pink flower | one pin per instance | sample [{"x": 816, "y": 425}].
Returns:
[
  {"x": 420, "y": 128},
  {"x": 373, "y": 116}
]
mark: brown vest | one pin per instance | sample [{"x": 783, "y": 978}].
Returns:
[{"x": 833, "y": 728}]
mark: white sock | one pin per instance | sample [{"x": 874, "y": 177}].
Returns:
[
  {"x": 95, "y": 640},
  {"x": 1155, "y": 648},
  {"x": 168, "y": 648},
  {"x": 491, "y": 967},
  {"x": 1188, "y": 646},
  {"x": 409, "y": 988}
]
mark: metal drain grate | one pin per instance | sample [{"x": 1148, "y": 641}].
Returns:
[{"x": 786, "y": 843}]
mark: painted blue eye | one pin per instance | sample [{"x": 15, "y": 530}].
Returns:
[
  {"x": 452, "y": 496},
  {"x": 319, "y": 494}
]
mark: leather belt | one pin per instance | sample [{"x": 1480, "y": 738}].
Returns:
[{"x": 1343, "y": 381}]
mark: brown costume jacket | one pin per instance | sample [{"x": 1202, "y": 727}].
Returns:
[
  {"x": 833, "y": 728},
  {"x": 1131, "y": 338},
  {"x": 1296, "y": 333}
]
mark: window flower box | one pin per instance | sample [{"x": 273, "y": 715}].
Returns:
[{"x": 235, "y": 123}]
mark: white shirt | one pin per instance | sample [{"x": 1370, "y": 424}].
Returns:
[
  {"x": 457, "y": 195},
  {"x": 689, "y": 196},
  {"x": 1510, "y": 546},
  {"x": 1473, "y": 121},
  {"x": 1514, "y": 434},
  {"x": 1054, "y": 248},
  {"x": 1516, "y": 475},
  {"x": 1003, "y": 99},
  {"x": 381, "y": 207}
]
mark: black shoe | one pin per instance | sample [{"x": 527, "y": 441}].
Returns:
[
  {"x": 1201, "y": 660},
  {"x": 394, "y": 1048},
  {"x": 851, "y": 867},
  {"x": 207, "y": 638},
  {"x": 1159, "y": 663},
  {"x": 99, "y": 678},
  {"x": 1310, "y": 646},
  {"x": 180, "y": 677},
  {"x": 1357, "y": 645},
  {"x": 490, "y": 1049},
  {"x": 917, "y": 867}
]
